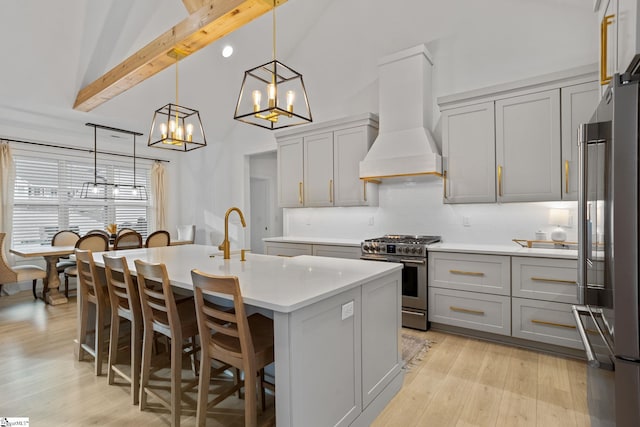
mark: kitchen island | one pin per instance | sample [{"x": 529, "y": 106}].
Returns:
[{"x": 337, "y": 327}]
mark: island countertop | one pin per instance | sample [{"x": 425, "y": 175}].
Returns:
[{"x": 270, "y": 282}]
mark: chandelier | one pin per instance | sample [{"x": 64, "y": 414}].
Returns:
[
  {"x": 100, "y": 189},
  {"x": 175, "y": 127},
  {"x": 272, "y": 95}
]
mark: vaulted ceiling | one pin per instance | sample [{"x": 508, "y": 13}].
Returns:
[{"x": 52, "y": 49}]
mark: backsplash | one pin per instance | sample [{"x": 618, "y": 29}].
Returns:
[{"x": 417, "y": 208}]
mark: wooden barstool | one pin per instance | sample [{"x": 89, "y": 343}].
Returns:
[
  {"x": 125, "y": 304},
  {"x": 243, "y": 342},
  {"x": 91, "y": 291},
  {"x": 161, "y": 314}
]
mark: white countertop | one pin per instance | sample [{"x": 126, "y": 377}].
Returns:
[
  {"x": 515, "y": 250},
  {"x": 271, "y": 282},
  {"x": 315, "y": 240}
]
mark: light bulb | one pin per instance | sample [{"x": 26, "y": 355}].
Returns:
[
  {"x": 135, "y": 191},
  {"x": 163, "y": 130},
  {"x": 190, "y": 132},
  {"x": 95, "y": 189},
  {"x": 116, "y": 190},
  {"x": 172, "y": 129},
  {"x": 180, "y": 133},
  {"x": 227, "y": 51},
  {"x": 291, "y": 96},
  {"x": 257, "y": 97},
  {"x": 271, "y": 94}
]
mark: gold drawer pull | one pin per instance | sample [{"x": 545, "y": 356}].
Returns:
[
  {"x": 467, "y": 273},
  {"x": 566, "y": 176},
  {"x": 444, "y": 184},
  {"x": 285, "y": 256},
  {"x": 561, "y": 281},
  {"x": 466, "y": 310},
  {"x": 364, "y": 189},
  {"x": 561, "y": 325},
  {"x": 558, "y": 325}
]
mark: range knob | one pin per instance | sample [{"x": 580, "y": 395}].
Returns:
[
  {"x": 365, "y": 248},
  {"x": 377, "y": 248},
  {"x": 414, "y": 250}
]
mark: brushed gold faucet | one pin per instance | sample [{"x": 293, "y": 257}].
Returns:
[{"x": 226, "y": 245}]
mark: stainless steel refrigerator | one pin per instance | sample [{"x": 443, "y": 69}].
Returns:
[{"x": 608, "y": 224}]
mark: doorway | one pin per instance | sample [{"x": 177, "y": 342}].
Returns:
[{"x": 265, "y": 215}]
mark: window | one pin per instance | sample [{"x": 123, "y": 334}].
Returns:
[{"x": 47, "y": 198}]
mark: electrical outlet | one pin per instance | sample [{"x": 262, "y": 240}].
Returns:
[
  {"x": 466, "y": 221},
  {"x": 347, "y": 310},
  {"x": 371, "y": 220}
]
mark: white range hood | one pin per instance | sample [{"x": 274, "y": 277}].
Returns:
[{"x": 405, "y": 146}]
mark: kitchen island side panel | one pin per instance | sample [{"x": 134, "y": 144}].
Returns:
[{"x": 320, "y": 356}]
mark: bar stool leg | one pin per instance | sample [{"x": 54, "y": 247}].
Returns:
[{"x": 145, "y": 366}]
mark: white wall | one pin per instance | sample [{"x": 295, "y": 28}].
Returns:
[
  {"x": 417, "y": 208},
  {"x": 474, "y": 44}
]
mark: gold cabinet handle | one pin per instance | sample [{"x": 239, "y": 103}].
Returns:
[
  {"x": 364, "y": 189},
  {"x": 500, "y": 181},
  {"x": 285, "y": 256},
  {"x": 300, "y": 193},
  {"x": 604, "y": 26},
  {"x": 466, "y": 310},
  {"x": 561, "y": 325},
  {"x": 467, "y": 273},
  {"x": 566, "y": 176},
  {"x": 330, "y": 191},
  {"x": 562, "y": 281},
  {"x": 444, "y": 184}
]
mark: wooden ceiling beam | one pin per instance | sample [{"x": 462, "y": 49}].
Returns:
[
  {"x": 193, "y": 5},
  {"x": 210, "y": 22}
]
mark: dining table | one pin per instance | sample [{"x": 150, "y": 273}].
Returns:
[
  {"x": 50, "y": 292},
  {"x": 337, "y": 325}
]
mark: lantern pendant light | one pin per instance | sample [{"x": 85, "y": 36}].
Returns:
[
  {"x": 175, "y": 127},
  {"x": 272, "y": 95}
]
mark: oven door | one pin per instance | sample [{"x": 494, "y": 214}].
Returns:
[{"x": 414, "y": 284}]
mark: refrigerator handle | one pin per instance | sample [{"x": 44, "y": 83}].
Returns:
[{"x": 583, "y": 227}]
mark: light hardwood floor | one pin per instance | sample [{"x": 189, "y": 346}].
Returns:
[{"x": 460, "y": 381}]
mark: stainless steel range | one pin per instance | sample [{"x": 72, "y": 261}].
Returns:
[{"x": 412, "y": 252}]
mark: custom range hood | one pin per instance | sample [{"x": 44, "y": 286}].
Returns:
[{"x": 405, "y": 146}]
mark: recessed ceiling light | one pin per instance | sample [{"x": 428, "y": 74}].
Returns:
[{"x": 227, "y": 51}]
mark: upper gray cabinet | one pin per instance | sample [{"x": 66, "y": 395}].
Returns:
[
  {"x": 318, "y": 164},
  {"x": 578, "y": 105},
  {"x": 516, "y": 142}
]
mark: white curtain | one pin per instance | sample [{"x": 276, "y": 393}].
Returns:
[
  {"x": 158, "y": 193},
  {"x": 7, "y": 180}
]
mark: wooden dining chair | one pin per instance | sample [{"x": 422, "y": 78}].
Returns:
[
  {"x": 19, "y": 273},
  {"x": 177, "y": 321},
  {"x": 95, "y": 243},
  {"x": 65, "y": 238},
  {"x": 129, "y": 240},
  {"x": 125, "y": 231},
  {"x": 91, "y": 291},
  {"x": 157, "y": 239},
  {"x": 125, "y": 304},
  {"x": 243, "y": 342}
]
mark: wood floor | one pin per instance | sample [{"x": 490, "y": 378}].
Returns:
[{"x": 460, "y": 381}]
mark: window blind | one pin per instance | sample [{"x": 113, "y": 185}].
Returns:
[{"x": 47, "y": 198}]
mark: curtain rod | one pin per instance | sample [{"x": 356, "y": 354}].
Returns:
[{"x": 81, "y": 149}]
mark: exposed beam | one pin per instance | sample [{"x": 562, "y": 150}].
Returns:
[
  {"x": 212, "y": 21},
  {"x": 194, "y": 5}
]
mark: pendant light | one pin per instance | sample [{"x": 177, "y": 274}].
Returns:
[
  {"x": 273, "y": 95},
  {"x": 104, "y": 190},
  {"x": 175, "y": 127}
]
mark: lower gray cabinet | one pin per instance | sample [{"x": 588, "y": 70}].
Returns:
[
  {"x": 544, "y": 321},
  {"x": 473, "y": 310}
]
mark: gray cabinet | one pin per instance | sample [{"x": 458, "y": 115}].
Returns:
[
  {"x": 468, "y": 154},
  {"x": 516, "y": 142},
  {"x": 318, "y": 165},
  {"x": 528, "y": 147},
  {"x": 578, "y": 103},
  {"x": 287, "y": 249}
]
